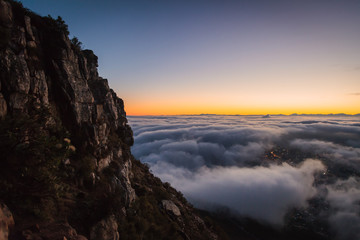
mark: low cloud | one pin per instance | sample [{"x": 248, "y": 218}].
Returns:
[
  {"x": 334, "y": 152},
  {"x": 221, "y": 160},
  {"x": 264, "y": 193},
  {"x": 344, "y": 198}
]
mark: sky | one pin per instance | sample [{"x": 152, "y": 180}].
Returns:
[
  {"x": 221, "y": 57},
  {"x": 223, "y": 161}
]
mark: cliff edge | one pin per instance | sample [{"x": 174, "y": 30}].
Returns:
[{"x": 66, "y": 167}]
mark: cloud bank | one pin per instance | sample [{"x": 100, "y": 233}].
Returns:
[
  {"x": 264, "y": 193},
  {"x": 344, "y": 198},
  {"x": 222, "y": 160}
]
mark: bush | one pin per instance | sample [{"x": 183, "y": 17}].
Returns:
[
  {"x": 76, "y": 44},
  {"x": 57, "y": 24}
]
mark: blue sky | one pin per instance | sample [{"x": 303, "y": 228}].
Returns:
[{"x": 174, "y": 57}]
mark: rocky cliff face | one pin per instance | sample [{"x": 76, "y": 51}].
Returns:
[{"x": 65, "y": 145}]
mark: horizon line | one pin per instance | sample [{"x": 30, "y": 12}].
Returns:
[{"x": 280, "y": 114}]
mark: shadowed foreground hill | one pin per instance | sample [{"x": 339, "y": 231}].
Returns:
[{"x": 66, "y": 170}]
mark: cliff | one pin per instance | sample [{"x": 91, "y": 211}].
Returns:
[{"x": 66, "y": 167}]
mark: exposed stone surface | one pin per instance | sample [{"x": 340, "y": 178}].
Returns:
[
  {"x": 126, "y": 174},
  {"x": 106, "y": 229},
  {"x": 170, "y": 207},
  {"x": 6, "y": 221},
  {"x": 67, "y": 82},
  {"x": 6, "y": 15},
  {"x": 40, "y": 68},
  {"x": 3, "y": 106}
]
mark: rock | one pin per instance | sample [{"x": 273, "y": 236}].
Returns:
[
  {"x": 3, "y": 106},
  {"x": 5, "y": 14},
  {"x": 28, "y": 27},
  {"x": 18, "y": 101},
  {"x": 104, "y": 162},
  {"x": 171, "y": 208},
  {"x": 117, "y": 153},
  {"x": 6, "y": 221},
  {"x": 93, "y": 178},
  {"x": 106, "y": 229},
  {"x": 53, "y": 231},
  {"x": 31, "y": 44},
  {"x": 42, "y": 73},
  {"x": 126, "y": 174}
]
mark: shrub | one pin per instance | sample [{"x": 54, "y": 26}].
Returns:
[{"x": 76, "y": 44}]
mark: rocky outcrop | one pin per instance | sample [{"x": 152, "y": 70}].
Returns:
[
  {"x": 65, "y": 145},
  {"x": 171, "y": 208},
  {"x": 65, "y": 81},
  {"x": 6, "y": 221},
  {"x": 6, "y": 14}
]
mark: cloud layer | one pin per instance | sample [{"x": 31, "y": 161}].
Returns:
[
  {"x": 222, "y": 160},
  {"x": 265, "y": 193},
  {"x": 344, "y": 198}
]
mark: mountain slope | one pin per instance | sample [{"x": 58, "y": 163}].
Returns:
[{"x": 66, "y": 167}]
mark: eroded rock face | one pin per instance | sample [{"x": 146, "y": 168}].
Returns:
[
  {"x": 41, "y": 69},
  {"x": 64, "y": 79},
  {"x": 106, "y": 229},
  {"x": 67, "y": 78},
  {"x": 6, "y": 221},
  {"x": 126, "y": 175},
  {"x": 6, "y": 15}
]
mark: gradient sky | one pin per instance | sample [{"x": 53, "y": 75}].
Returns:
[{"x": 224, "y": 57}]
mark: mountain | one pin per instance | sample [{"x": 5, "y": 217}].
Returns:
[{"x": 66, "y": 169}]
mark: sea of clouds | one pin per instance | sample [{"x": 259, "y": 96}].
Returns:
[{"x": 220, "y": 161}]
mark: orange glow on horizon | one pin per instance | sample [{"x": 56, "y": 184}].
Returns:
[
  {"x": 327, "y": 95},
  {"x": 177, "y": 109}
]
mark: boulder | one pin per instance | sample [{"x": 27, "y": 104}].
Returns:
[{"x": 171, "y": 208}]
